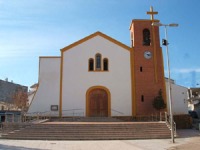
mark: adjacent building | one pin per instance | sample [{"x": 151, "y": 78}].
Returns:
[
  {"x": 179, "y": 98},
  {"x": 8, "y": 89},
  {"x": 194, "y": 101},
  {"x": 9, "y": 111}
]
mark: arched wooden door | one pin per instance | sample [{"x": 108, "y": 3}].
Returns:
[{"x": 98, "y": 103}]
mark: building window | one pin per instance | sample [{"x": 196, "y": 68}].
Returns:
[
  {"x": 91, "y": 64},
  {"x": 132, "y": 44},
  {"x": 98, "y": 61},
  {"x": 142, "y": 98},
  {"x": 141, "y": 69},
  {"x": 146, "y": 37},
  {"x": 105, "y": 64}
]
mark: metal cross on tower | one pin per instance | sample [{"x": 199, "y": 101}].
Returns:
[{"x": 152, "y": 13}]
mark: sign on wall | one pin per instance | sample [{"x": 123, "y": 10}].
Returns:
[{"x": 54, "y": 107}]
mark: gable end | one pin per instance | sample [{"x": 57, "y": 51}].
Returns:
[{"x": 93, "y": 35}]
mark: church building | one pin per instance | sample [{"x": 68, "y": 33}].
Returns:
[{"x": 98, "y": 76}]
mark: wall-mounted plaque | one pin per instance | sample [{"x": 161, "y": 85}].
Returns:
[{"x": 54, "y": 107}]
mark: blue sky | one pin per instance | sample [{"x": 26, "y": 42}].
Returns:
[{"x": 33, "y": 28}]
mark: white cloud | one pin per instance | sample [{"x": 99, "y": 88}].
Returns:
[{"x": 186, "y": 70}]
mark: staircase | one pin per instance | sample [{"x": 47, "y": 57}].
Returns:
[{"x": 90, "y": 131}]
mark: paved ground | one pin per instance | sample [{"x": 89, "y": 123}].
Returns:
[{"x": 187, "y": 140}]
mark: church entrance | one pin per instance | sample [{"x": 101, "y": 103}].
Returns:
[{"x": 97, "y": 103}]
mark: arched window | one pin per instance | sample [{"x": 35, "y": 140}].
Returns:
[
  {"x": 146, "y": 37},
  {"x": 91, "y": 64},
  {"x": 105, "y": 64},
  {"x": 98, "y": 61}
]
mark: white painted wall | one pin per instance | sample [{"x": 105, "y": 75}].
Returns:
[
  {"x": 179, "y": 99},
  {"x": 30, "y": 98},
  {"x": 77, "y": 80},
  {"x": 49, "y": 86},
  {"x": 31, "y": 94}
]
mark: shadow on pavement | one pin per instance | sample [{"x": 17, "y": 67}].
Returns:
[
  {"x": 187, "y": 133},
  {"x": 7, "y": 147}
]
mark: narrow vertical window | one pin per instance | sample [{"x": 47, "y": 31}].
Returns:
[
  {"x": 132, "y": 44},
  {"x": 98, "y": 61},
  {"x": 146, "y": 37},
  {"x": 105, "y": 64},
  {"x": 141, "y": 69},
  {"x": 91, "y": 64},
  {"x": 142, "y": 98}
]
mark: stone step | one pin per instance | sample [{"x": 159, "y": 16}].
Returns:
[
  {"x": 86, "y": 131},
  {"x": 86, "y": 135},
  {"x": 86, "y": 119},
  {"x": 90, "y": 138},
  {"x": 99, "y": 130}
]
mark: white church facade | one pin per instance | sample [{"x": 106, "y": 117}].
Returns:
[{"x": 110, "y": 75}]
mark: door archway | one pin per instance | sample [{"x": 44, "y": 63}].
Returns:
[{"x": 98, "y": 102}]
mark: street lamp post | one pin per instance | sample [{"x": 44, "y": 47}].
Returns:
[{"x": 168, "y": 66}]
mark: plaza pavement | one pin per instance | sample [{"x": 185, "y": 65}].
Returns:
[{"x": 188, "y": 139}]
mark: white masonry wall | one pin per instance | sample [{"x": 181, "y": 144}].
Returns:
[
  {"x": 179, "y": 99},
  {"x": 49, "y": 87},
  {"x": 77, "y": 79}
]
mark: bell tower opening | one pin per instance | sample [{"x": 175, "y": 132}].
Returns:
[{"x": 146, "y": 37}]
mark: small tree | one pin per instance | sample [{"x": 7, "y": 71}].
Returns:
[
  {"x": 20, "y": 99},
  {"x": 158, "y": 102}
]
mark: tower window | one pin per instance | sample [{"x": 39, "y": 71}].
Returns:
[
  {"x": 105, "y": 64},
  {"x": 132, "y": 44},
  {"x": 146, "y": 37},
  {"x": 91, "y": 64},
  {"x": 142, "y": 98},
  {"x": 141, "y": 69},
  {"x": 98, "y": 61}
]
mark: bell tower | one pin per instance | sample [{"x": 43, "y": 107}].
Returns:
[{"x": 147, "y": 65}]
